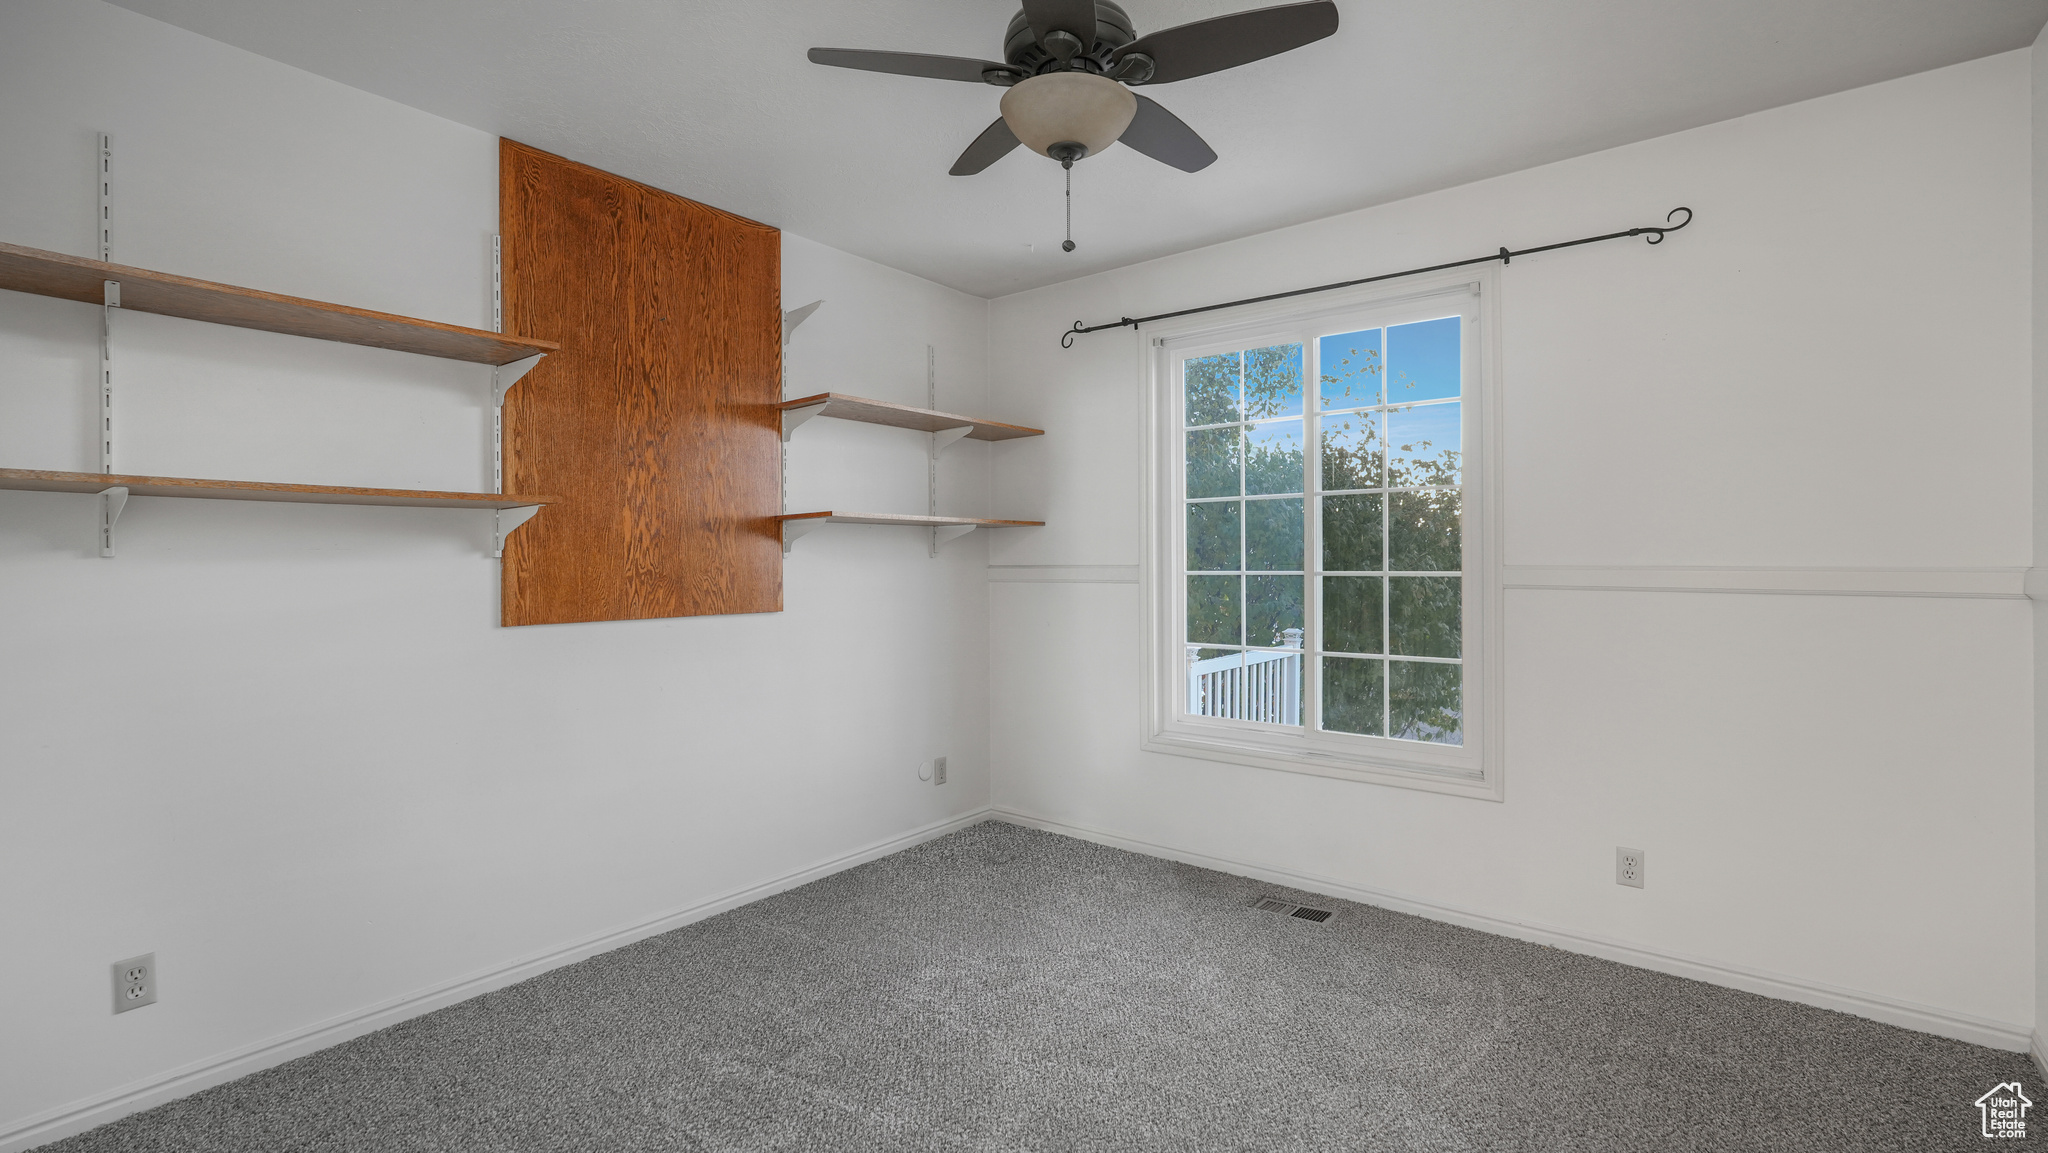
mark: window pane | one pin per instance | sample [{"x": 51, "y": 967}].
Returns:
[
  {"x": 1422, "y": 445},
  {"x": 1354, "y": 695},
  {"x": 1422, "y": 361},
  {"x": 1211, "y": 389},
  {"x": 1213, "y": 610},
  {"x": 1423, "y": 531},
  {"x": 1213, "y": 678},
  {"x": 1272, "y": 460},
  {"x": 1272, "y": 611},
  {"x": 1272, "y": 381},
  {"x": 1351, "y": 369},
  {"x": 1351, "y": 533},
  {"x": 1212, "y": 536},
  {"x": 1424, "y": 616},
  {"x": 1212, "y": 461},
  {"x": 1351, "y": 614},
  {"x": 1428, "y": 702},
  {"x": 1351, "y": 451},
  {"x": 1272, "y": 534}
]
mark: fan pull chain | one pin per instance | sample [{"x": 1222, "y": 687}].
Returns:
[{"x": 1069, "y": 245}]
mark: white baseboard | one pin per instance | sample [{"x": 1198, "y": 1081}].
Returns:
[
  {"x": 1925, "y": 1018},
  {"x": 2039, "y": 1052},
  {"x": 78, "y": 1116}
]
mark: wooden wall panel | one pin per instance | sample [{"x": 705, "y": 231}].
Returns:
[{"x": 656, "y": 426}]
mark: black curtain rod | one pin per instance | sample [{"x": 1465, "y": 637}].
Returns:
[{"x": 1656, "y": 235}]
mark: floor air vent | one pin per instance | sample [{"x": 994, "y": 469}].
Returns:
[{"x": 1276, "y": 905}]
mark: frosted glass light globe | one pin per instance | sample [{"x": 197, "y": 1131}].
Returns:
[{"x": 1060, "y": 107}]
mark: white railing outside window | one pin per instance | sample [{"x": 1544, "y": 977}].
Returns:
[
  {"x": 1247, "y": 686},
  {"x": 1263, "y": 687}
]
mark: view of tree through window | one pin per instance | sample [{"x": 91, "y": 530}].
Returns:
[{"x": 1372, "y": 454}]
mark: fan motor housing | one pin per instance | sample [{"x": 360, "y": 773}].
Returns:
[{"x": 1113, "y": 30}]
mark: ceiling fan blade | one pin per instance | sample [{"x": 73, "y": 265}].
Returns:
[
  {"x": 908, "y": 63},
  {"x": 1161, "y": 135},
  {"x": 1227, "y": 41},
  {"x": 992, "y": 145},
  {"x": 1075, "y": 16}
]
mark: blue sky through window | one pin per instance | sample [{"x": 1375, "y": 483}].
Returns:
[
  {"x": 1423, "y": 433},
  {"x": 1422, "y": 361}
]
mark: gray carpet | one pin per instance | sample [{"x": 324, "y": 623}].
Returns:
[{"x": 1006, "y": 989}]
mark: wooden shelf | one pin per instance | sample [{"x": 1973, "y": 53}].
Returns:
[
  {"x": 860, "y": 408},
  {"x": 76, "y": 278},
  {"x": 796, "y": 524},
  {"x": 31, "y": 480}
]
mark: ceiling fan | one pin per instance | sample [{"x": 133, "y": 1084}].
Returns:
[{"x": 1069, "y": 66}]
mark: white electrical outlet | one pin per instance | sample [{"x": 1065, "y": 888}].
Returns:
[
  {"x": 135, "y": 982},
  {"x": 1628, "y": 867},
  {"x": 939, "y": 771}
]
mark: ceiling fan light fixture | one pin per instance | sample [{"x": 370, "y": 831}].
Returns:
[{"x": 1068, "y": 108}]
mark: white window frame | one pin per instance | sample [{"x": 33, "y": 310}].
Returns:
[{"x": 1473, "y": 769}]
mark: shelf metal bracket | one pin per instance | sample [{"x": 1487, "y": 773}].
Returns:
[
  {"x": 112, "y": 501},
  {"x": 944, "y": 533},
  {"x": 106, "y": 198},
  {"x": 110, "y": 300},
  {"x": 793, "y": 418},
  {"x": 939, "y": 445},
  {"x": 794, "y": 317},
  {"x": 497, "y": 283},
  {"x": 795, "y": 530},
  {"x": 506, "y": 521},
  {"x": 503, "y": 377},
  {"x": 931, "y": 460},
  {"x": 506, "y": 375}
]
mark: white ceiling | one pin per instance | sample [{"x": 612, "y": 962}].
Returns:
[{"x": 714, "y": 100}]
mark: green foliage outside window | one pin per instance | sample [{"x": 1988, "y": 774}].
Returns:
[
  {"x": 1426, "y": 702},
  {"x": 1272, "y": 535},
  {"x": 1213, "y": 456},
  {"x": 1354, "y": 696},
  {"x": 1214, "y": 610}
]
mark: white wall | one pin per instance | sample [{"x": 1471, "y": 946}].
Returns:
[
  {"x": 287, "y": 747},
  {"x": 1827, "y": 371}
]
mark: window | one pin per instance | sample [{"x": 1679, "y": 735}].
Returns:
[{"x": 1320, "y": 577}]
